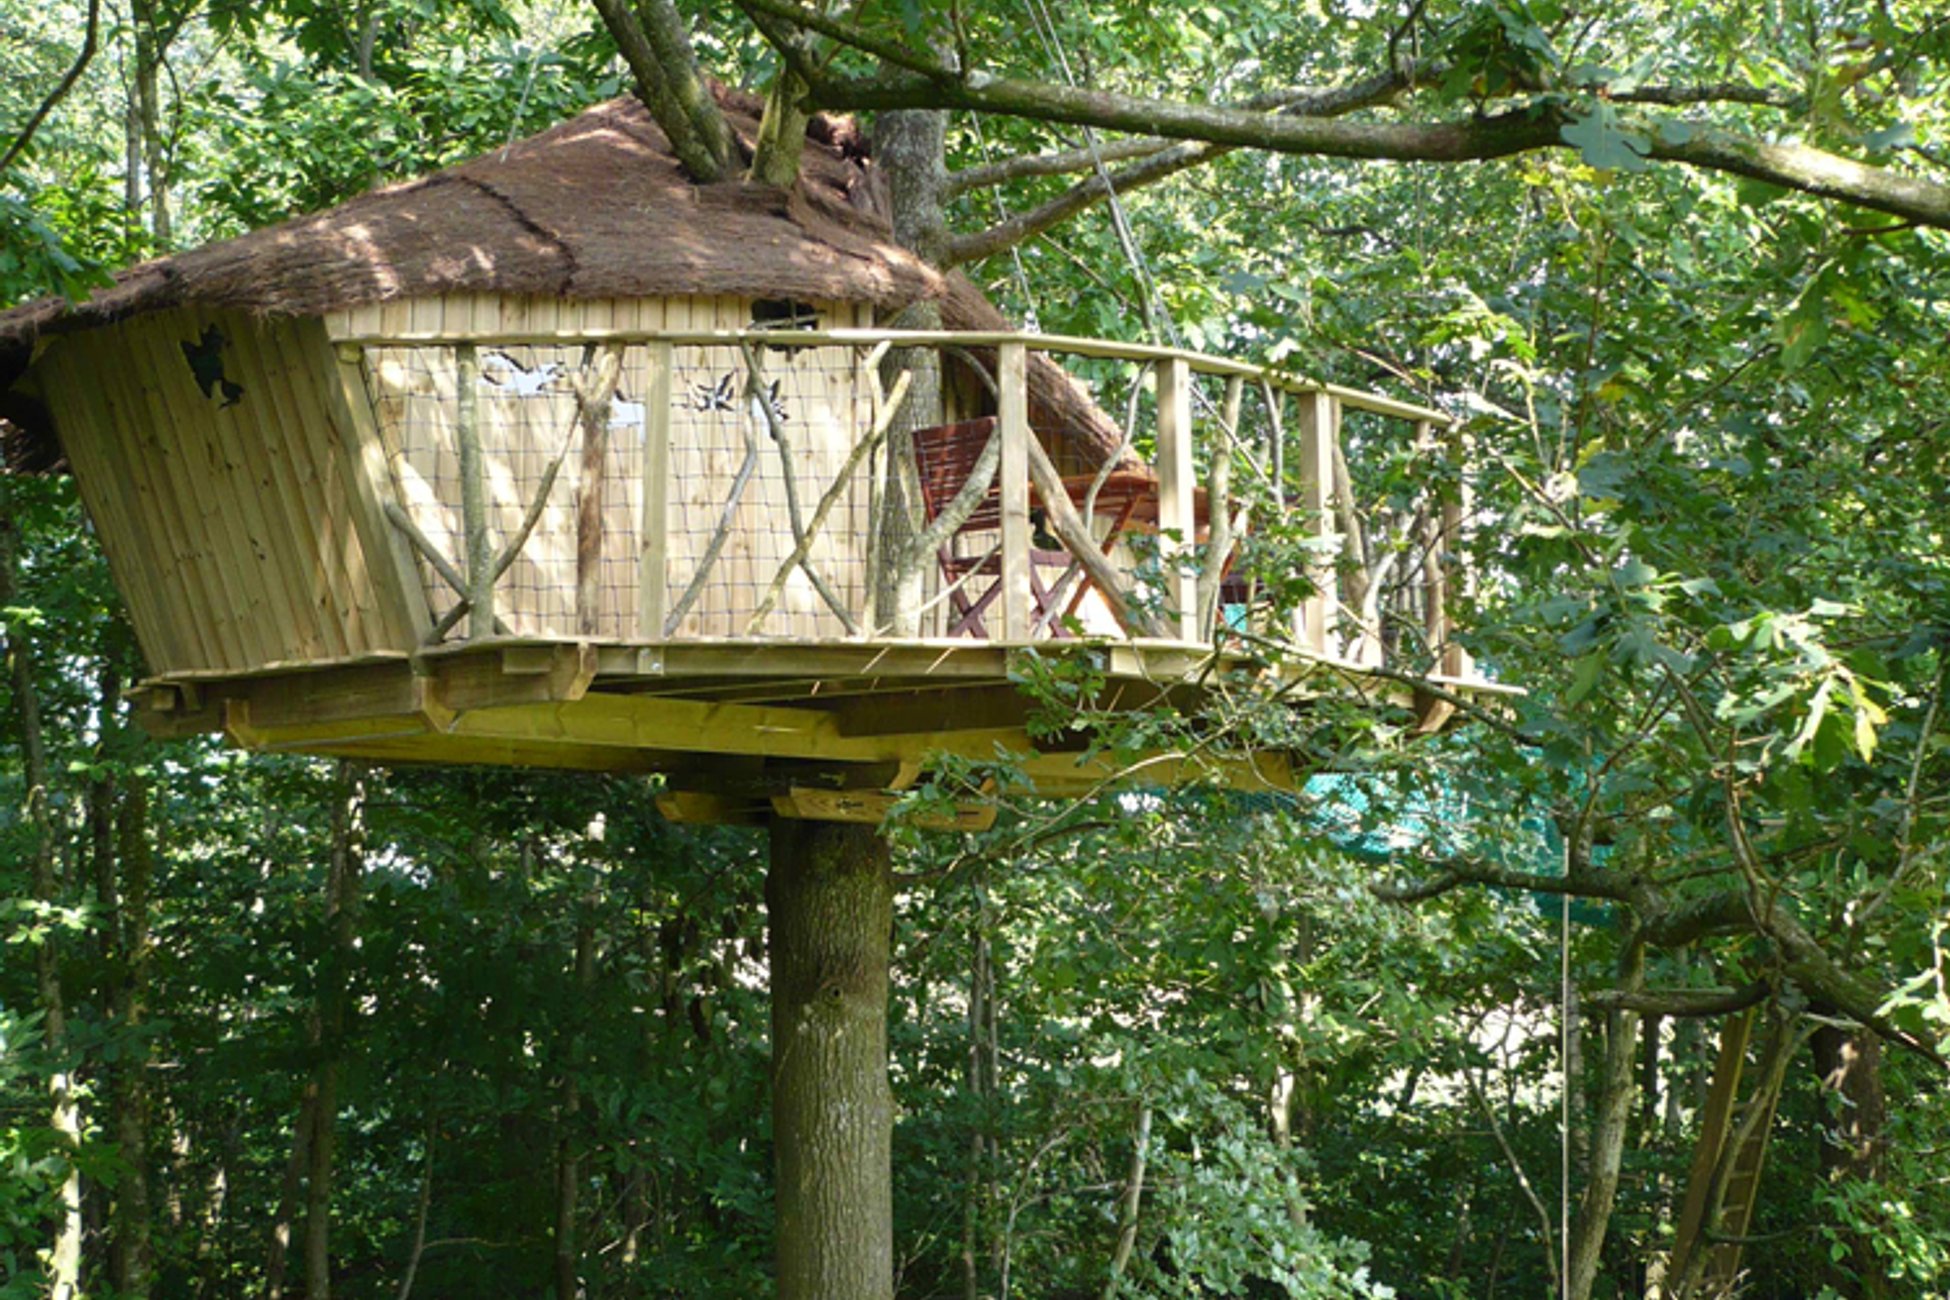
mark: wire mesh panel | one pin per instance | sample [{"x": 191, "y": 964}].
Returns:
[
  {"x": 750, "y": 463},
  {"x": 527, "y": 408}
]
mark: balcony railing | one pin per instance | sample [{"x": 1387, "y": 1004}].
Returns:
[{"x": 772, "y": 485}]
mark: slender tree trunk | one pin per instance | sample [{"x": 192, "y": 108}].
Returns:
[
  {"x": 293, "y": 1185},
  {"x": 568, "y": 1158},
  {"x": 1127, "y": 1204},
  {"x": 127, "y": 916},
  {"x": 829, "y": 904},
  {"x": 64, "y": 1259},
  {"x": 341, "y": 911},
  {"x": 147, "y": 114},
  {"x": 318, "y": 1184},
  {"x": 1616, "y": 1091},
  {"x": 1852, "y": 1141},
  {"x": 980, "y": 1079},
  {"x": 419, "y": 1248}
]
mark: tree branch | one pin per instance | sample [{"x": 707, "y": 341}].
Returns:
[
  {"x": 1681, "y": 1003},
  {"x": 1299, "y": 102},
  {"x": 664, "y": 68},
  {"x": 1061, "y": 163},
  {"x": 1804, "y": 962},
  {"x": 81, "y": 60},
  {"x": 1525, "y": 129},
  {"x": 1719, "y": 92}
]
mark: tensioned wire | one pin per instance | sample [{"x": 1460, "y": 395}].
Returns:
[{"x": 1147, "y": 287}]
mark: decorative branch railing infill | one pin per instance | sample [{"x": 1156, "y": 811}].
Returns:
[{"x": 1367, "y": 592}]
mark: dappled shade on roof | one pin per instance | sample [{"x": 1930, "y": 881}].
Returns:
[{"x": 594, "y": 207}]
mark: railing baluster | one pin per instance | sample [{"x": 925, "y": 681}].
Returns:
[
  {"x": 1176, "y": 479},
  {"x": 473, "y": 492},
  {"x": 1319, "y": 414},
  {"x": 1012, "y": 380},
  {"x": 653, "y": 595}
]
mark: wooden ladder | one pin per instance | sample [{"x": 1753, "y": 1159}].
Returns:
[{"x": 1724, "y": 1182}]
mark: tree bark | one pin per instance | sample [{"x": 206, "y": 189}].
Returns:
[
  {"x": 146, "y": 112},
  {"x": 126, "y": 915},
  {"x": 829, "y": 905},
  {"x": 782, "y": 131},
  {"x": 654, "y": 44},
  {"x": 64, "y": 1257},
  {"x": 1852, "y": 1141},
  {"x": 293, "y": 1184},
  {"x": 911, "y": 147},
  {"x": 334, "y": 1003},
  {"x": 568, "y": 1162},
  {"x": 1127, "y": 1204},
  {"x": 1521, "y": 130},
  {"x": 1616, "y": 1093}
]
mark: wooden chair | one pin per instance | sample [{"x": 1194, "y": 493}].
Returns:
[{"x": 944, "y": 457}]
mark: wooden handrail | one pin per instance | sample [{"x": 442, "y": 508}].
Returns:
[{"x": 1198, "y": 362}]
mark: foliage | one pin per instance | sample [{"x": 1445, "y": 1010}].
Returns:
[{"x": 1707, "y": 434}]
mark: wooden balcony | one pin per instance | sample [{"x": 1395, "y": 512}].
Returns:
[{"x": 714, "y": 554}]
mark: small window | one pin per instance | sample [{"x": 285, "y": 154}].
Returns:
[{"x": 784, "y": 314}]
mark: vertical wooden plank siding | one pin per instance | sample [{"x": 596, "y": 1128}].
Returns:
[
  {"x": 1316, "y": 430},
  {"x": 112, "y": 468},
  {"x": 652, "y": 579},
  {"x": 1176, "y": 479},
  {"x": 213, "y": 590},
  {"x": 250, "y": 478},
  {"x": 1012, "y": 381},
  {"x": 352, "y": 472},
  {"x": 319, "y": 526}
]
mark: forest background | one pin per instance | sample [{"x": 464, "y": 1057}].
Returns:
[{"x": 388, "y": 1032}]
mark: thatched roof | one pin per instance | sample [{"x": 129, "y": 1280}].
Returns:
[{"x": 595, "y": 207}]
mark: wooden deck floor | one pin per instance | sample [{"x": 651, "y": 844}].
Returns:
[{"x": 734, "y": 724}]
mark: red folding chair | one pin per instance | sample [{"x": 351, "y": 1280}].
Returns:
[{"x": 944, "y": 457}]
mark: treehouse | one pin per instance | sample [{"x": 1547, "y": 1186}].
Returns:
[{"x": 557, "y": 459}]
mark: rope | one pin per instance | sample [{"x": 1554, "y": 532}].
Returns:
[
  {"x": 1154, "y": 312},
  {"x": 1034, "y": 322}
]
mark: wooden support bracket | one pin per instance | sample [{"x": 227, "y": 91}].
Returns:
[
  {"x": 870, "y": 808},
  {"x": 514, "y": 675}
]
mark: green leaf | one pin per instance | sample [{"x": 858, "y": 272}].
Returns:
[
  {"x": 1897, "y": 136},
  {"x": 1603, "y": 143},
  {"x": 1585, "y": 676}
]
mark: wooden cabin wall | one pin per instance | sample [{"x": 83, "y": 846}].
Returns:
[
  {"x": 527, "y": 412},
  {"x": 234, "y": 519}
]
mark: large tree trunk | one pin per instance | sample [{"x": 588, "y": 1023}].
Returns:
[
  {"x": 829, "y": 904},
  {"x": 64, "y": 1258},
  {"x": 1852, "y": 1141},
  {"x": 911, "y": 148},
  {"x": 334, "y": 999}
]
